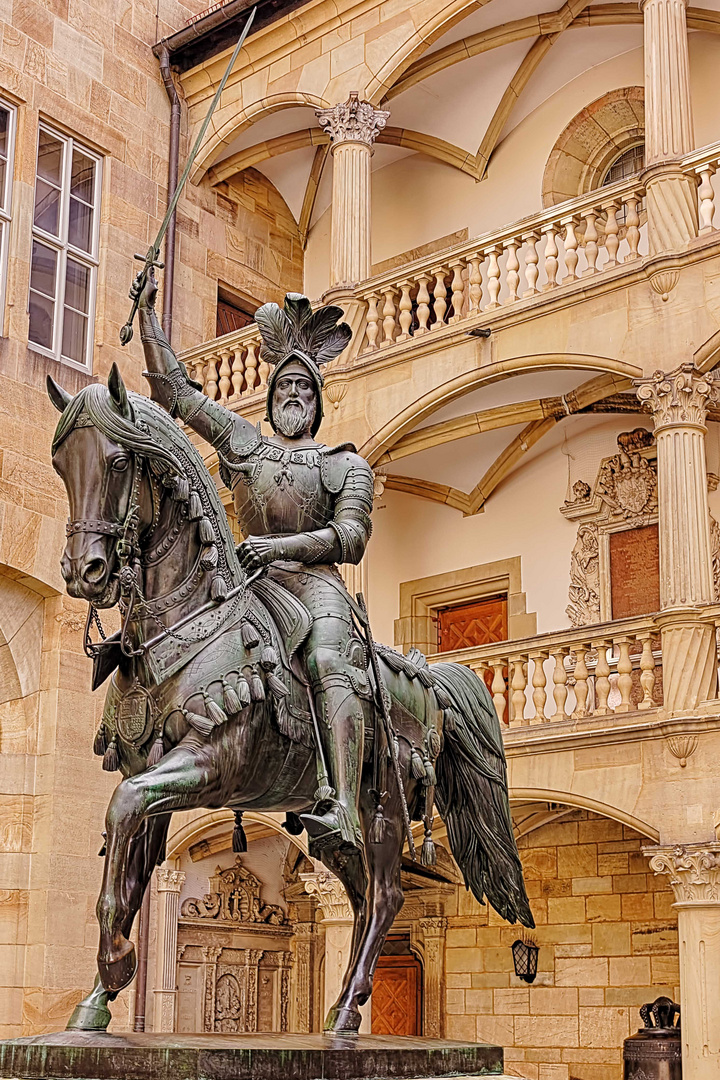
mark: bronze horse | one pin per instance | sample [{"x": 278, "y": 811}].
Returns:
[{"x": 205, "y": 704}]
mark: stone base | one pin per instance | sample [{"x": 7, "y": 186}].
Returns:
[{"x": 77, "y": 1055}]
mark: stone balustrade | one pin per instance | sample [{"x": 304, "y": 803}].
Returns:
[
  {"x": 597, "y": 235},
  {"x": 570, "y": 242},
  {"x": 595, "y": 671}
]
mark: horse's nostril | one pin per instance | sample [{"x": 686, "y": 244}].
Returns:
[{"x": 94, "y": 571}]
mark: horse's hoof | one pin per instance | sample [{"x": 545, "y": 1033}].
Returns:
[
  {"x": 343, "y": 1021},
  {"x": 92, "y": 1013},
  {"x": 116, "y": 974}
]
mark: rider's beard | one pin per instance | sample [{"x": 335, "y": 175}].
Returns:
[{"x": 294, "y": 418}]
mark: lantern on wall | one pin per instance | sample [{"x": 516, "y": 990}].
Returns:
[{"x": 525, "y": 958}]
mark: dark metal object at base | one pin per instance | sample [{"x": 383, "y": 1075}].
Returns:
[
  {"x": 655, "y": 1053},
  {"x": 142, "y": 1056}
]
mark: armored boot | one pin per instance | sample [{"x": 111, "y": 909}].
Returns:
[{"x": 334, "y": 820}]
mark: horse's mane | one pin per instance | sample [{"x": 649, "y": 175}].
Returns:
[{"x": 151, "y": 434}]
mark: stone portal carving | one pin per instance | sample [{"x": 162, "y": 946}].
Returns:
[{"x": 234, "y": 897}]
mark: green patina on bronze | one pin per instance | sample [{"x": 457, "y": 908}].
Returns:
[{"x": 243, "y": 679}]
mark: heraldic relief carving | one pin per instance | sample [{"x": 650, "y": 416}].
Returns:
[
  {"x": 234, "y": 897},
  {"x": 624, "y": 496}
]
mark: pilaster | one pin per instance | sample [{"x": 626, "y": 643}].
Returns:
[
  {"x": 169, "y": 883},
  {"x": 671, "y": 200},
  {"x": 679, "y": 401},
  {"x": 433, "y": 930},
  {"x": 353, "y": 127},
  {"x": 694, "y": 872}
]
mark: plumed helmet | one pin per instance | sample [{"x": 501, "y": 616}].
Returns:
[{"x": 296, "y": 333}]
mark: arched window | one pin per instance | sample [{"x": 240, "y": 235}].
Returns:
[{"x": 628, "y": 163}]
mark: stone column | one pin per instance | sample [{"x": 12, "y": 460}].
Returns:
[
  {"x": 304, "y": 946},
  {"x": 169, "y": 883},
  {"x": 671, "y": 198},
  {"x": 433, "y": 929},
  {"x": 694, "y": 871},
  {"x": 337, "y": 919},
  {"x": 353, "y": 127},
  {"x": 679, "y": 402}
]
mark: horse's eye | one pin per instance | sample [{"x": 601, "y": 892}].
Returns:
[{"x": 120, "y": 464}]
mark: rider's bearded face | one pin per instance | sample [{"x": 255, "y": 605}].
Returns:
[{"x": 294, "y": 403}]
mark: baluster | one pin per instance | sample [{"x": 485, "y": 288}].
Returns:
[
  {"x": 225, "y": 372},
  {"x": 251, "y": 364},
  {"x": 372, "y": 329},
  {"x": 551, "y": 257},
  {"x": 498, "y": 689},
  {"x": 211, "y": 378},
  {"x": 624, "y": 675},
  {"x": 518, "y": 684},
  {"x": 706, "y": 197},
  {"x": 423, "y": 301},
  {"x": 388, "y": 318},
  {"x": 581, "y": 681},
  {"x": 458, "y": 288},
  {"x": 602, "y": 678},
  {"x": 198, "y": 371},
  {"x": 647, "y": 671},
  {"x": 560, "y": 678},
  {"x": 632, "y": 227},
  {"x": 512, "y": 274},
  {"x": 493, "y": 277},
  {"x": 238, "y": 368},
  {"x": 263, "y": 372},
  {"x": 475, "y": 281},
  {"x": 590, "y": 243},
  {"x": 539, "y": 681},
  {"x": 439, "y": 294},
  {"x": 612, "y": 229},
  {"x": 531, "y": 263},
  {"x": 570, "y": 244},
  {"x": 405, "y": 311}
]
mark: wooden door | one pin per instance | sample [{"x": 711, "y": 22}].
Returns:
[
  {"x": 396, "y": 996},
  {"x": 479, "y": 622}
]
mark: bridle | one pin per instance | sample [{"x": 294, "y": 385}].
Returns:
[{"x": 127, "y": 548}]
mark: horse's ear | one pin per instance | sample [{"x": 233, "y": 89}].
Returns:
[
  {"x": 118, "y": 393},
  {"x": 59, "y": 397}
]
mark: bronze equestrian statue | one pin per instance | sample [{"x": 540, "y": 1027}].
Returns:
[{"x": 248, "y": 679}]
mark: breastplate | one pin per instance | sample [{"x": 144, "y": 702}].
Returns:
[{"x": 280, "y": 492}]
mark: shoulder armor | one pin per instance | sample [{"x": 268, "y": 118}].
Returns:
[{"x": 336, "y": 465}]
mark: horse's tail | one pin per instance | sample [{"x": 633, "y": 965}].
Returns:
[{"x": 472, "y": 795}]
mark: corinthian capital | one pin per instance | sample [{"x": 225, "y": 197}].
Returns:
[
  {"x": 680, "y": 397},
  {"x": 694, "y": 870},
  {"x": 170, "y": 880},
  {"x": 330, "y": 893},
  {"x": 352, "y": 121}
]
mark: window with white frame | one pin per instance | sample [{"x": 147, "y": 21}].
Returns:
[
  {"x": 63, "y": 268},
  {"x": 8, "y": 115}
]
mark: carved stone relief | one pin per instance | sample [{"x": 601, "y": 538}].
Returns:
[{"x": 234, "y": 897}]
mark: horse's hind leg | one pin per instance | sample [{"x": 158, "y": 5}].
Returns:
[{"x": 178, "y": 782}]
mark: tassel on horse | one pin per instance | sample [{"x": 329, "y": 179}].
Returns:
[
  {"x": 111, "y": 760},
  {"x": 216, "y": 714},
  {"x": 100, "y": 741},
  {"x": 157, "y": 752},
  {"x": 239, "y": 839},
  {"x": 200, "y": 723},
  {"x": 231, "y": 701},
  {"x": 249, "y": 634}
]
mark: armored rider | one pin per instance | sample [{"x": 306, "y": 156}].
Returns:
[{"x": 303, "y": 508}]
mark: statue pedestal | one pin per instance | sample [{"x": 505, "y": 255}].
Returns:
[{"x": 76, "y": 1055}]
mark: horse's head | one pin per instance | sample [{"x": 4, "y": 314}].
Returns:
[{"x": 99, "y": 451}]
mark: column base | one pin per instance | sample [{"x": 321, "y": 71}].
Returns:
[
  {"x": 671, "y": 200},
  {"x": 164, "y": 1012},
  {"x": 689, "y": 660}
]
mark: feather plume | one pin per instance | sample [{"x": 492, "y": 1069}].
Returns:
[{"x": 277, "y": 333}]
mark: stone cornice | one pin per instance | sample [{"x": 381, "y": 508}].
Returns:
[{"x": 693, "y": 869}]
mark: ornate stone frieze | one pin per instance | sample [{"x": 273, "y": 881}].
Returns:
[
  {"x": 331, "y": 895},
  {"x": 353, "y": 121},
  {"x": 680, "y": 397},
  {"x": 234, "y": 897},
  {"x": 693, "y": 869}
]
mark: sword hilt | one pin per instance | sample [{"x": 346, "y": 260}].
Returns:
[{"x": 150, "y": 260}]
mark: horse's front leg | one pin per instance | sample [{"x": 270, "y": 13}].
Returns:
[{"x": 179, "y": 782}]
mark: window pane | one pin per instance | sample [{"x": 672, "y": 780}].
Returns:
[
  {"x": 74, "y": 336},
  {"x": 47, "y": 207},
  {"x": 77, "y": 286},
  {"x": 80, "y": 225},
  {"x": 43, "y": 269},
  {"x": 4, "y": 129},
  {"x": 82, "y": 181},
  {"x": 42, "y": 311},
  {"x": 50, "y": 157}
]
